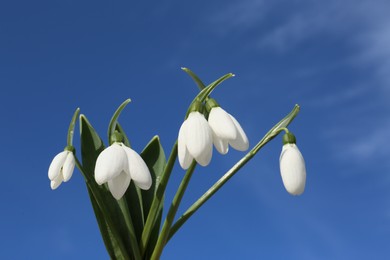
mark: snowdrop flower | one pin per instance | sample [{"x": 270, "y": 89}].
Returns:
[
  {"x": 61, "y": 168},
  {"x": 292, "y": 166},
  {"x": 225, "y": 129},
  {"x": 195, "y": 141},
  {"x": 117, "y": 165}
]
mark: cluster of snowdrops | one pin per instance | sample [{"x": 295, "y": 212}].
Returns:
[{"x": 115, "y": 167}]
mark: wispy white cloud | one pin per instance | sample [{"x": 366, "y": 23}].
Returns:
[
  {"x": 369, "y": 146},
  {"x": 374, "y": 44},
  {"x": 363, "y": 27},
  {"x": 240, "y": 15},
  {"x": 341, "y": 97}
]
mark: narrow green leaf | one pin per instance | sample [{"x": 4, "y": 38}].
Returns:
[
  {"x": 195, "y": 78},
  {"x": 126, "y": 140},
  {"x": 91, "y": 147},
  {"x": 134, "y": 202},
  {"x": 154, "y": 157},
  {"x": 133, "y": 196},
  {"x": 154, "y": 234},
  {"x": 205, "y": 93},
  {"x": 71, "y": 127},
  {"x": 109, "y": 240},
  {"x": 163, "y": 236},
  {"x": 158, "y": 201}
]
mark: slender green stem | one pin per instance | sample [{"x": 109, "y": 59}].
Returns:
[
  {"x": 71, "y": 127},
  {"x": 208, "y": 194},
  {"x": 157, "y": 200},
  {"x": 87, "y": 179},
  {"x": 106, "y": 214},
  {"x": 129, "y": 223},
  {"x": 162, "y": 238},
  {"x": 282, "y": 125},
  {"x": 114, "y": 119}
]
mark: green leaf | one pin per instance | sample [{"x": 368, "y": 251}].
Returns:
[
  {"x": 154, "y": 157},
  {"x": 91, "y": 146},
  {"x": 134, "y": 203},
  {"x": 133, "y": 196},
  {"x": 126, "y": 140},
  {"x": 195, "y": 78},
  {"x": 106, "y": 208},
  {"x": 154, "y": 234},
  {"x": 205, "y": 93},
  {"x": 71, "y": 127},
  {"x": 109, "y": 240}
]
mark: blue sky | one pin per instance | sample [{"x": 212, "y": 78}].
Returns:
[{"x": 331, "y": 57}]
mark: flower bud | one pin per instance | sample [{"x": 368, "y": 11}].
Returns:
[
  {"x": 292, "y": 166},
  {"x": 61, "y": 168}
]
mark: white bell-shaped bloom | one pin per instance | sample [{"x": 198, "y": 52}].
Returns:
[
  {"x": 292, "y": 169},
  {"x": 226, "y": 130},
  {"x": 117, "y": 165},
  {"x": 61, "y": 168},
  {"x": 195, "y": 141}
]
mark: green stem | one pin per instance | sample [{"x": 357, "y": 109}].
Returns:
[
  {"x": 157, "y": 200},
  {"x": 114, "y": 119},
  {"x": 208, "y": 194},
  {"x": 129, "y": 223},
  {"x": 162, "y": 238},
  {"x": 106, "y": 214},
  {"x": 71, "y": 127}
]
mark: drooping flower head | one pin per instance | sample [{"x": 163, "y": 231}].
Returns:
[
  {"x": 225, "y": 129},
  {"x": 195, "y": 139},
  {"x": 61, "y": 168},
  {"x": 117, "y": 165},
  {"x": 292, "y": 166}
]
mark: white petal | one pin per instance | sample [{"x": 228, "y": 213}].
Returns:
[
  {"x": 241, "y": 142},
  {"x": 56, "y": 182},
  {"x": 205, "y": 157},
  {"x": 292, "y": 169},
  {"x": 221, "y": 145},
  {"x": 185, "y": 159},
  {"x": 68, "y": 167},
  {"x": 110, "y": 163},
  {"x": 222, "y": 124},
  {"x": 119, "y": 185},
  {"x": 139, "y": 171},
  {"x": 56, "y": 165},
  {"x": 197, "y": 134}
]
